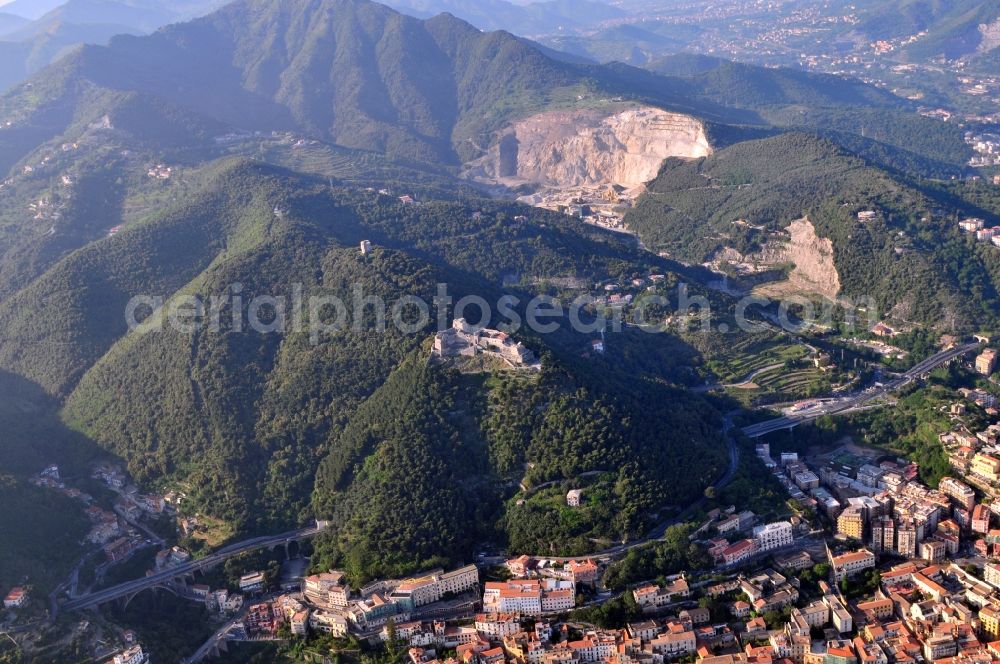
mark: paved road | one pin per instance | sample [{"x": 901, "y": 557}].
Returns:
[
  {"x": 216, "y": 639},
  {"x": 159, "y": 578},
  {"x": 857, "y": 401}
]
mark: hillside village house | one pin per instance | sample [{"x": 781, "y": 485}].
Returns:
[
  {"x": 328, "y": 623},
  {"x": 327, "y": 590},
  {"x": 16, "y": 598},
  {"x": 651, "y": 597}
]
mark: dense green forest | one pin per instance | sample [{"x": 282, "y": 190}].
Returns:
[{"x": 465, "y": 443}]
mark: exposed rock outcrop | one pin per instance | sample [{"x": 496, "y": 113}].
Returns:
[
  {"x": 814, "y": 270},
  {"x": 590, "y": 148}
]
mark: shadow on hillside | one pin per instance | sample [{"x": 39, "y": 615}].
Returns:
[{"x": 33, "y": 436}]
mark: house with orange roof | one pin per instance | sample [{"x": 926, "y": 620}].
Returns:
[
  {"x": 850, "y": 564},
  {"x": 16, "y": 598}
]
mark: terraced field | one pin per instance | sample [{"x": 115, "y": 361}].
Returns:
[{"x": 754, "y": 353}]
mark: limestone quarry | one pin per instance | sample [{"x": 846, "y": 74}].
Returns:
[
  {"x": 811, "y": 257},
  {"x": 589, "y": 162}
]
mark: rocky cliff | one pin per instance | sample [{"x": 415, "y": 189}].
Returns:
[
  {"x": 815, "y": 271},
  {"x": 590, "y": 148}
]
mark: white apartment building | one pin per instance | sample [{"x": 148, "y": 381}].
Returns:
[
  {"x": 497, "y": 626},
  {"x": 773, "y": 536},
  {"x": 518, "y": 596},
  {"x": 459, "y": 580}
]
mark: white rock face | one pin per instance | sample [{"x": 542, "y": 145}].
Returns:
[
  {"x": 590, "y": 148},
  {"x": 815, "y": 270},
  {"x": 990, "y": 33}
]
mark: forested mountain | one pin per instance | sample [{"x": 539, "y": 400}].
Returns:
[
  {"x": 749, "y": 86},
  {"x": 249, "y": 152},
  {"x": 243, "y": 421},
  {"x": 912, "y": 258},
  {"x": 356, "y": 73}
]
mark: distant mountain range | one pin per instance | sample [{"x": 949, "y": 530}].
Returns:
[
  {"x": 530, "y": 18},
  {"x": 35, "y": 34}
]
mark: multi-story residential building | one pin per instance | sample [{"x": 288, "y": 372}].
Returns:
[
  {"x": 985, "y": 466},
  {"x": 518, "y": 596},
  {"x": 883, "y": 530},
  {"x": 851, "y": 523},
  {"x": 496, "y": 626},
  {"x": 869, "y": 653},
  {"x": 933, "y": 550},
  {"x": 989, "y": 617},
  {"x": 328, "y": 622},
  {"x": 418, "y": 591},
  {"x": 738, "y": 552},
  {"x": 299, "y": 622},
  {"x": 521, "y": 565},
  {"x": 986, "y": 362},
  {"x": 879, "y": 608},
  {"x": 120, "y": 549},
  {"x": 674, "y": 644},
  {"x": 789, "y": 646},
  {"x": 816, "y": 614},
  {"x": 991, "y": 574},
  {"x": 459, "y": 580},
  {"x": 131, "y": 655},
  {"x": 646, "y": 630},
  {"x": 327, "y": 590},
  {"x": 870, "y": 475},
  {"x": 582, "y": 571},
  {"x": 840, "y": 652},
  {"x": 16, "y": 598},
  {"x": 940, "y": 644},
  {"x": 960, "y": 492},
  {"x": 849, "y": 564},
  {"x": 652, "y": 596},
  {"x": 806, "y": 480},
  {"x": 906, "y": 538},
  {"x": 773, "y": 536},
  {"x": 561, "y": 599},
  {"x": 839, "y": 615},
  {"x": 252, "y": 582}
]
